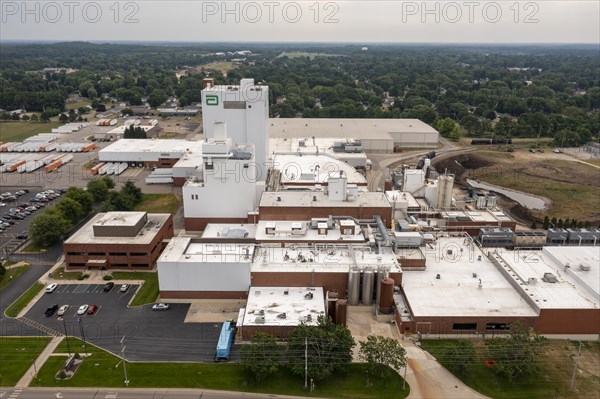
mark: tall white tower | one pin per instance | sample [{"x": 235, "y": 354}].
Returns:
[{"x": 245, "y": 111}]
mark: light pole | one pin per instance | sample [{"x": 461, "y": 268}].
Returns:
[
  {"x": 124, "y": 361},
  {"x": 67, "y": 336},
  {"x": 82, "y": 330}
]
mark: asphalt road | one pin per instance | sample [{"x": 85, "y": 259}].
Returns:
[
  {"x": 150, "y": 335},
  {"x": 95, "y": 393}
]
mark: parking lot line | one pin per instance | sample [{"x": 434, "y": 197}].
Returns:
[{"x": 80, "y": 289}]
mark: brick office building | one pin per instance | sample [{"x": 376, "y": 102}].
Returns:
[{"x": 119, "y": 240}]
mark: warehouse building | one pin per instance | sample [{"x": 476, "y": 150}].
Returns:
[
  {"x": 466, "y": 290},
  {"x": 340, "y": 199},
  {"x": 149, "y": 152},
  {"x": 375, "y": 135},
  {"x": 119, "y": 240},
  {"x": 279, "y": 310}
]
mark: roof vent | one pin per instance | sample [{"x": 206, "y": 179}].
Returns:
[
  {"x": 314, "y": 198},
  {"x": 585, "y": 268},
  {"x": 278, "y": 199},
  {"x": 549, "y": 278}
]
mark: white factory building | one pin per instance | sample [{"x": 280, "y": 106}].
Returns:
[
  {"x": 244, "y": 108},
  {"x": 376, "y": 135},
  {"x": 149, "y": 152},
  {"x": 224, "y": 187}
]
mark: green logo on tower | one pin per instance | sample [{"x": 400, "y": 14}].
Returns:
[{"x": 212, "y": 100}]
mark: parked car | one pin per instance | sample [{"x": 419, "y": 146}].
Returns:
[
  {"x": 62, "y": 310},
  {"x": 82, "y": 309},
  {"x": 124, "y": 288},
  {"x": 92, "y": 309},
  {"x": 51, "y": 288},
  {"x": 40, "y": 205},
  {"x": 20, "y": 192},
  {"x": 50, "y": 311},
  {"x": 22, "y": 236},
  {"x": 31, "y": 209},
  {"x": 160, "y": 306},
  {"x": 2, "y": 204},
  {"x": 44, "y": 200},
  {"x": 108, "y": 286},
  {"x": 34, "y": 199}
]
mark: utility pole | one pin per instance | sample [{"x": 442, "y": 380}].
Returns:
[
  {"x": 575, "y": 368},
  {"x": 67, "y": 336},
  {"x": 81, "y": 329},
  {"x": 124, "y": 361},
  {"x": 305, "y": 362}
]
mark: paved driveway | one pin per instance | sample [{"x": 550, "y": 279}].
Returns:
[{"x": 150, "y": 335}]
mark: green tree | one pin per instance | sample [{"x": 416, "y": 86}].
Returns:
[
  {"x": 129, "y": 188},
  {"x": 70, "y": 209},
  {"x": 118, "y": 201},
  {"x": 546, "y": 223},
  {"x": 460, "y": 356},
  {"x": 382, "y": 354},
  {"x": 534, "y": 225},
  {"x": 110, "y": 183},
  {"x": 85, "y": 199},
  {"x": 48, "y": 228},
  {"x": 328, "y": 346},
  {"x": 262, "y": 357},
  {"x": 156, "y": 98},
  {"x": 518, "y": 354},
  {"x": 98, "y": 189}
]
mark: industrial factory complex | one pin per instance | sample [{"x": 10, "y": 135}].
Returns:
[{"x": 278, "y": 216}]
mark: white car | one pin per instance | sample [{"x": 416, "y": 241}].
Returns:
[
  {"x": 51, "y": 287},
  {"x": 62, "y": 310},
  {"x": 82, "y": 309},
  {"x": 124, "y": 288},
  {"x": 160, "y": 306},
  {"x": 2, "y": 204}
]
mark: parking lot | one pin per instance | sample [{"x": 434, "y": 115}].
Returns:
[{"x": 150, "y": 335}]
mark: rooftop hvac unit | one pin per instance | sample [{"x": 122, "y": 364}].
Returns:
[
  {"x": 549, "y": 278},
  {"x": 308, "y": 317},
  {"x": 282, "y": 316},
  {"x": 260, "y": 320},
  {"x": 585, "y": 268}
]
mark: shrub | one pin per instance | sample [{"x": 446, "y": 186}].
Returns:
[{"x": 107, "y": 278}]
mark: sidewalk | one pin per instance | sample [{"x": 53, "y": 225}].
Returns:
[
  {"x": 38, "y": 363},
  {"x": 429, "y": 380}
]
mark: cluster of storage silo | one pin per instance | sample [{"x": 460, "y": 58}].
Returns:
[{"x": 371, "y": 285}]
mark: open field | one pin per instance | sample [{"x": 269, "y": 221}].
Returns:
[
  {"x": 23, "y": 300},
  {"x": 78, "y": 104},
  {"x": 159, "y": 203},
  {"x": 16, "y": 356},
  {"x": 19, "y": 131},
  {"x": 148, "y": 292},
  {"x": 104, "y": 369},
  {"x": 552, "y": 381},
  {"x": 572, "y": 187},
  {"x": 12, "y": 274}
]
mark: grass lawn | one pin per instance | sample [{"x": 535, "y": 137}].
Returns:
[
  {"x": 11, "y": 274},
  {"x": 61, "y": 274},
  {"x": 33, "y": 248},
  {"x": 20, "y": 130},
  {"x": 78, "y": 104},
  {"x": 23, "y": 300},
  {"x": 103, "y": 369},
  {"x": 148, "y": 292},
  {"x": 16, "y": 356},
  {"x": 159, "y": 203},
  {"x": 552, "y": 381}
]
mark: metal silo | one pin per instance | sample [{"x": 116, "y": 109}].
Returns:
[
  {"x": 353, "y": 287},
  {"x": 367, "y": 288}
]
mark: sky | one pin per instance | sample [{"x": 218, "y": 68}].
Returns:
[{"x": 364, "y": 21}]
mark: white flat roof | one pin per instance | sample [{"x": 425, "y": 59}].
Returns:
[
  {"x": 327, "y": 258},
  {"x": 229, "y": 230},
  {"x": 305, "y": 199},
  {"x": 121, "y": 129},
  {"x": 568, "y": 292},
  {"x": 283, "y": 231},
  {"x": 457, "y": 292},
  {"x": 575, "y": 257},
  {"x": 364, "y": 129},
  {"x": 153, "y": 145},
  {"x": 399, "y": 196},
  {"x": 310, "y": 145},
  {"x": 284, "y": 306},
  {"x": 313, "y": 169},
  {"x": 85, "y": 235},
  {"x": 183, "y": 249}
]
